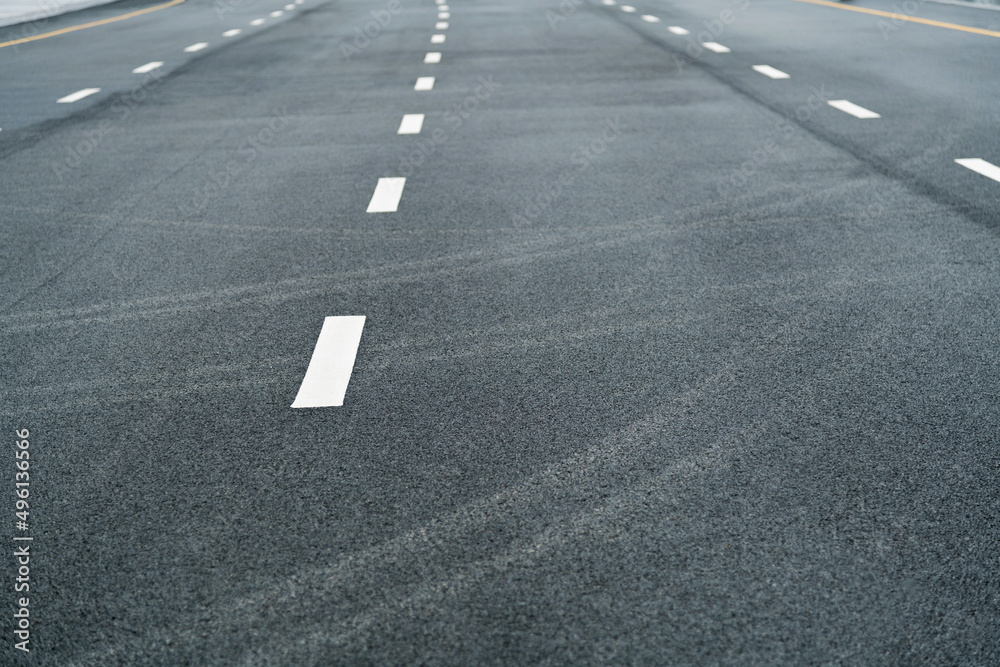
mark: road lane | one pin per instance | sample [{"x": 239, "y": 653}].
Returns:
[{"x": 652, "y": 369}]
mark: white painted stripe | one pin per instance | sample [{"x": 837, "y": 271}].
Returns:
[
  {"x": 424, "y": 83},
  {"x": 232, "y": 33},
  {"x": 78, "y": 95},
  {"x": 628, "y": 9},
  {"x": 650, "y": 19},
  {"x": 767, "y": 70},
  {"x": 444, "y": 8},
  {"x": 432, "y": 58},
  {"x": 437, "y": 39},
  {"x": 441, "y": 25},
  {"x": 853, "y": 109},
  {"x": 258, "y": 22},
  {"x": 332, "y": 363},
  {"x": 275, "y": 14},
  {"x": 715, "y": 46},
  {"x": 677, "y": 30},
  {"x": 385, "y": 199},
  {"x": 299, "y": 2},
  {"x": 609, "y": 3},
  {"x": 980, "y": 166},
  {"x": 195, "y": 47},
  {"x": 412, "y": 123},
  {"x": 443, "y": 16},
  {"x": 148, "y": 67},
  {"x": 440, "y": 2},
  {"x": 289, "y": 8}
]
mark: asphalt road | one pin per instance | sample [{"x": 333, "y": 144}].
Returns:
[{"x": 664, "y": 360}]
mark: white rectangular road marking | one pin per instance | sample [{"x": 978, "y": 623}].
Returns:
[
  {"x": 767, "y": 70},
  {"x": 289, "y": 8},
  {"x": 258, "y": 22},
  {"x": 424, "y": 83},
  {"x": 386, "y": 196},
  {"x": 332, "y": 363},
  {"x": 148, "y": 67},
  {"x": 232, "y": 33},
  {"x": 275, "y": 14},
  {"x": 437, "y": 39},
  {"x": 980, "y": 166},
  {"x": 628, "y": 9},
  {"x": 443, "y": 16},
  {"x": 440, "y": 2},
  {"x": 609, "y": 3},
  {"x": 648, "y": 18},
  {"x": 677, "y": 30},
  {"x": 432, "y": 58},
  {"x": 715, "y": 46},
  {"x": 853, "y": 109},
  {"x": 412, "y": 123},
  {"x": 195, "y": 47},
  {"x": 443, "y": 8},
  {"x": 441, "y": 25},
  {"x": 78, "y": 95}
]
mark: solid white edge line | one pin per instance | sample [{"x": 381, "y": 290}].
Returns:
[
  {"x": 424, "y": 83},
  {"x": 981, "y": 166},
  {"x": 78, "y": 95},
  {"x": 853, "y": 109},
  {"x": 387, "y": 194},
  {"x": 412, "y": 123},
  {"x": 329, "y": 371},
  {"x": 771, "y": 72}
]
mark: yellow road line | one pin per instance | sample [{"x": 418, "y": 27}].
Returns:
[
  {"x": 92, "y": 24},
  {"x": 901, "y": 17}
]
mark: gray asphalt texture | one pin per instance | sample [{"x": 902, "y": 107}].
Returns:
[{"x": 665, "y": 362}]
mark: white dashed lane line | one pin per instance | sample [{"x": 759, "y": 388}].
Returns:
[
  {"x": 78, "y": 95},
  {"x": 853, "y": 109},
  {"x": 767, "y": 70},
  {"x": 195, "y": 47},
  {"x": 715, "y": 46},
  {"x": 650, "y": 19},
  {"x": 441, "y": 25},
  {"x": 412, "y": 123},
  {"x": 628, "y": 9},
  {"x": 443, "y": 8},
  {"x": 980, "y": 166},
  {"x": 148, "y": 67},
  {"x": 444, "y": 16},
  {"x": 424, "y": 83},
  {"x": 677, "y": 30},
  {"x": 275, "y": 14},
  {"x": 232, "y": 33},
  {"x": 437, "y": 39},
  {"x": 332, "y": 362},
  {"x": 609, "y": 3},
  {"x": 432, "y": 58},
  {"x": 385, "y": 199},
  {"x": 289, "y": 8},
  {"x": 258, "y": 22},
  {"x": 439, "y": 2}
]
